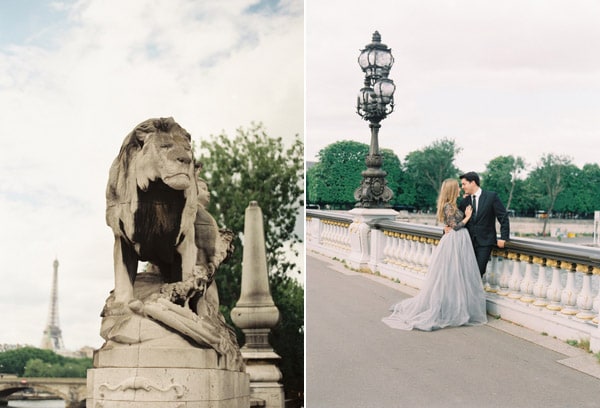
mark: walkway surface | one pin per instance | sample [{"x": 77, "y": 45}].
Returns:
[{"x": 355, "y": 361}]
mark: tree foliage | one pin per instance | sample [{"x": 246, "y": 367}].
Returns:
[
  {"x": 425, "y": 170},
  {"x": 502, "y": 176},
  {"x": 255, "y": 167},
  {"x": 551, "y": 173},
  {"x": 333, "y": 180},
  {"x": 587, "y": 189},
  {"x": 554, "y": 185},
  {"x": 34, "y": 362}
]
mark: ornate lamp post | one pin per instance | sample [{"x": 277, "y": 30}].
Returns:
[{"x": 375, "y": 101}]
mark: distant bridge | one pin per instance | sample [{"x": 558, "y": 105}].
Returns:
[{"x": 72, "y": 390}]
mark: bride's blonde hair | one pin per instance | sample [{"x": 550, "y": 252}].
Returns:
[{"x": 448, "y": 194}]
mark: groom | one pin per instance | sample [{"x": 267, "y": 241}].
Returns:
[{"x": 487, "y": 208}]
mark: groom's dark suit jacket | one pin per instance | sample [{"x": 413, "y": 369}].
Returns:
[{"x": 482, "y": 227}]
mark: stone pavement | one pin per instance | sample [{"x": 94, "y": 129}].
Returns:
[{"x": 355, "y": 361}]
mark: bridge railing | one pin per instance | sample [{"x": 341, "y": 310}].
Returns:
[{"x": 549, "y": 287}]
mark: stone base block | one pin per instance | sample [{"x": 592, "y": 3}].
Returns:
[
  {"x": 133, "y": 376},
  {"x": 167, "y": 387}
]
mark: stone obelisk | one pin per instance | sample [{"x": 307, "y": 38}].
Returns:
[{"x": 256, "y": 314}]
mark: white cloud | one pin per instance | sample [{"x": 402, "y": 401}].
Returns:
[{"x": 67, "y": 107}]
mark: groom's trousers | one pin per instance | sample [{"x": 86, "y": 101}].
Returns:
[{"x": 482, "y": 254}]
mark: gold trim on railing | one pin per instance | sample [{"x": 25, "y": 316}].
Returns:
[
  {"x": 336, "y": 223},
  {"x": 513, "y": 256}
]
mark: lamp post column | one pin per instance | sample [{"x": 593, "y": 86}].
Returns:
[{"x": 375, "y": 101}]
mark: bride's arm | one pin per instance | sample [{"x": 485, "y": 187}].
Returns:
[
  {"x": 463, "y": 223},
  {"x": 450, "y": 216}
]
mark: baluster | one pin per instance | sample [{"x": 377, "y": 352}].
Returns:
[
  {"x": 386, "y": 247},
  {"x": 331, "y": 235},
  {"x": 568, "y": 296},
  {"x": 596, "y": 307},
  {"x": 429, "y": 246},
  {"x": 400, "y": 253},
  {"x": 528, "y": 281},
  {"x": 343, "y": 236},
  {"x": 420, "y": 261},
  {"x": 491, "y": 274},
  {"x": 325, "y": 233},
  {"x": 348, "y": 239},
  {"x": 554, "y": 292},
  {"x": 504, "y": 277},
  {"x": 337, "y": 235},
  {"x": 585, "y": 299},
  {"x": 514, "y": 284},
  {"x": 390, "y": 247},
  {"x": 411, "y": 247},
  {"x": 394, "y": 248},
  {"x": 540, "y": 289},
  {"x": 415, "y": 253},
  {"x": 332, "y": 232}
]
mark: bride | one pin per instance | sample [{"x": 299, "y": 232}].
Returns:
[{"x": 452, "y": 293}]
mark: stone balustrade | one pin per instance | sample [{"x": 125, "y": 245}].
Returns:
[{"x": 549, "y": 287}]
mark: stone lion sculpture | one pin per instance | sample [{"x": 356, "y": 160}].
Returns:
[
  {"x": 156, "y": 210},
  {"x": 151, "y": 202}
]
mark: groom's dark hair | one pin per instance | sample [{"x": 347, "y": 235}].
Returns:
[{"x": 471, "y": 176}]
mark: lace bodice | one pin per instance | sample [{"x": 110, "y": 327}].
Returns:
[{"x": 453, "y": 216}]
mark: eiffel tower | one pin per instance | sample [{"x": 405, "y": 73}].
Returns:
[{"x": 52, "y": 339}]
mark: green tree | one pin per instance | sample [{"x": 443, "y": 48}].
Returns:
[
  {"x": 502, "y": 176},
  {"x": 34, "y": 362},
  {"x": 333, "y": 180},
  {"x": 14, "y": 361},
  {"x": 572, "y": 197},
  {"x": 549, "y": 179},
  {"x": 425, "y": 170},
  {"x": 589, "y": 189},
  {"x": 255, "y": 167}
]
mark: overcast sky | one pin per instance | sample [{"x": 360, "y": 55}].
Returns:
[
  {"x": 511, "y": 77},
  {"x": 75, "y": 78}
]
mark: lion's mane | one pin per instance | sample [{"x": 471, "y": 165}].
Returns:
[{"x": 151, "y": 196}]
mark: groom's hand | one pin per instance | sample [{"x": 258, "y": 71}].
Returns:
[{"x": 501, "y": 243}]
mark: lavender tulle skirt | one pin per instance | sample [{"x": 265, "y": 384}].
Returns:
[{"x": 452, "y": 293}]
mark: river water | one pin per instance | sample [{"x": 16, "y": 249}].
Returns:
[{"x": 37, "y": 404}]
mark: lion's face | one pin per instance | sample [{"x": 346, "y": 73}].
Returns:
[{"x": 166, "y": 154}]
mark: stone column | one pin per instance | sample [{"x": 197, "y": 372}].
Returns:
[{"x": 256, "y": 314}]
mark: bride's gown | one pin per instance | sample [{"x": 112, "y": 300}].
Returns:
[{"x": 452, "y": 293}]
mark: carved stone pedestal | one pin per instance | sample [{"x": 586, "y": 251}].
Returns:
[
  {"x": 163, "y": 377},
  {"x": 145, "y": 364}
]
